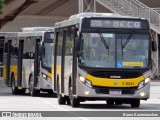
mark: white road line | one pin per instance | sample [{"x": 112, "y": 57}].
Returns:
[
  {"x": 62, "y": 109},
  {"x": 55, "y": 106},
  {"x": 150, "y": 106}
]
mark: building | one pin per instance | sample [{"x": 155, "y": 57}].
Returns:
[{"x": 27, "y": 13}]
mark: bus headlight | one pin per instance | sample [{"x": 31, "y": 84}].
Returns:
[
  {"x": 44, "y": 76},
  {"x": 82, "y": 79},
  {"x": 147, "y": 80},
  {"x": 143, "y": 83},
  {"x": 47, "y": 78},
  {"x": 88, "y": 83}
]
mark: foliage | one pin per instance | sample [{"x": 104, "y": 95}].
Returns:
[{"x": 1, "y": 4}]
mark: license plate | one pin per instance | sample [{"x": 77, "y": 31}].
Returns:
[{"x": 115, "y": 92}]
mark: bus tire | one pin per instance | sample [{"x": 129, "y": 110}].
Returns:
[
  {"x": 73, "y": 101},
  {"x": 61, "y": 99},
  {"x": 32, "y": 91},
  {"x": 110, "y": 101},
  {"x": 135, "y": 103},
  {"x": 50, "y": 92},
  {"x": 15, "y": 90},
  {"x": 118, "y": 102},
  {"x": 68, "y": 101},
  {"x": 22, "y": 92}
]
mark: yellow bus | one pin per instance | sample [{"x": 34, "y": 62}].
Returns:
[
  {"x": 27, "y": 60},
  {"x": 101, "y": 56}
]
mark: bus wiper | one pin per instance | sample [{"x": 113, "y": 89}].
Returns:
[
  {"x": 103, "y": 40},
  {"x": 128, "y": 39},
  {"x": 121, "y": 48}
]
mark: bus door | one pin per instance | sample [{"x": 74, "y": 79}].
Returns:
[
  {"x": 36, "y": 62},
  {"x": 8, "y": 62},
  {"x": 20, "y": 57}
]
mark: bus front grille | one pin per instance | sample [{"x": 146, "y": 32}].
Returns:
[{"x": 105, "y": 90}]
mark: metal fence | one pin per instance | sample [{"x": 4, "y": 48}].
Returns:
[{"x": 134, "y": 8}]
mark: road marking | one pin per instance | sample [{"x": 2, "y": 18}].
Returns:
[
  {"x": 150, "y": 106},
  {"x": 55, "y": 106},
  {"x": 62, "y": 109}
]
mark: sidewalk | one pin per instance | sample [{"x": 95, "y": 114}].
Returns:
[
  {"x": 155, "y": 80},
  {"x": 1, "y": 80}
]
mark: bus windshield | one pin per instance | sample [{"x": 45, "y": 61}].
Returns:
[
  {"x": 48, "y": 44},
  {"x": 110, "y": 50},
  {"x": 47, "y": 59}
]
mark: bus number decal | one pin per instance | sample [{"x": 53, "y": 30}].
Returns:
[{"x": 128, "y": 83}]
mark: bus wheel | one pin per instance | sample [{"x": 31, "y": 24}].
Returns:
[
  {"x": 118, "y": 101},
  {"x": 32, "y": 91},
  {"x": 61, "y": 99},
  {"x": 68, "y": 101},
  {"x": 73, "y": 101},
  {"x": 110, "y": 101},
  {"x": 135, "y": 103},
  {"x": 50, "y": 92},
  {"x": 15, "y": 90},
  {"x": 22, "y": 92}
]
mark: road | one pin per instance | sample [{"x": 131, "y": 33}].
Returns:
[{"x": 44, "y": 102}]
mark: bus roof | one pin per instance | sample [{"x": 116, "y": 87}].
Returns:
[
  {"x": 75, "y": 19},
  {"x": 21, "y": 34},
  {"x": 34, "y": 29},
  {"x": 31, "y": 34},
  {"x": 8, "y": 34}
]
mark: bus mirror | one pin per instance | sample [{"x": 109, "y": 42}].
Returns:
[
  {"x": 77, "y": 41},
  {"x": 42, "y": 51},
  {"x": 154, "y": 46}
]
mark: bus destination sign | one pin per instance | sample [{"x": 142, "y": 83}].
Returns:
[{"x": 115, "y": 24}]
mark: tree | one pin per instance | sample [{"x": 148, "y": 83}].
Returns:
[{"x": 1, "y": 5}]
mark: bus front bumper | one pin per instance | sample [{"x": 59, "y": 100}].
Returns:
[{"x": 87, "y": 92}]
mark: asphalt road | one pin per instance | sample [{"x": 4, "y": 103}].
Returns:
[{"x": 44, "y": 102}]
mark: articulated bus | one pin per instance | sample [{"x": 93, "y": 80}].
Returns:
[
  {"x": 100, "y": 56},
  {"x": 27, "y": 60}
]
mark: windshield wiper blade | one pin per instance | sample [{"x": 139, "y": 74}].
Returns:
[
  {"x": 128, "y": 39},
  {"x": 103, "y": 40},
  {"x": 121, "y": 48}
]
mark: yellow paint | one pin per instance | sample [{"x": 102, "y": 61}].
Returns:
[
  {"x": 58, "y": 71},
  {"x": 133, "y": 64},
  {"x": 49, "y": 75},
  {"x": 107, "y": 82},
  {"x": 20, "y": 87},
  {"x": 4, "y": 72},
  {"x": 12, "y": 69},
  {"x": 52, "y": 72}
]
